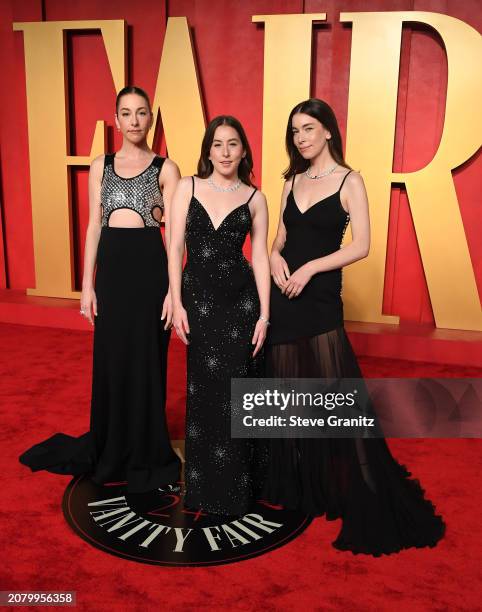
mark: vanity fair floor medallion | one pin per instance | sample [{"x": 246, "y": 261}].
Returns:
[{"x": 156, "y": 528}]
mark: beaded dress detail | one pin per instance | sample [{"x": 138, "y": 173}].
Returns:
[
  {"x": 140, "y": 193},
  {"x": 221, "y": 299}
]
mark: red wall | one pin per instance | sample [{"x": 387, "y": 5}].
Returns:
[{"x": 229, "y": 52}]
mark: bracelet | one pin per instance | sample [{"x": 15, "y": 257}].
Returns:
[{"x": 261, "y": 318}]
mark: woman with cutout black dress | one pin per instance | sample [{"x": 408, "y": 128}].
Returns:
[{"x": 130, "y": 306}]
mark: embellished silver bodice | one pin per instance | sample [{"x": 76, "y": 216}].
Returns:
[{"x": 140, "y": 193}]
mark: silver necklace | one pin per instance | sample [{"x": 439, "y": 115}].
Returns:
[
  {"x": 232, "y": 187},
  {"x": 322, "y": 174}
]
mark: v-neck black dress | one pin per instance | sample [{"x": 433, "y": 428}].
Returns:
[
  {"x": 221, "y": 299},
  {"x": 315, "y": 233},
  {"x": 382, "y": 509}
]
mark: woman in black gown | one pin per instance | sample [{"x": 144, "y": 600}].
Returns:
[
  {"x": 130, "y": 306},
  {"x": 221, "y": 312},
  {"x": 358, "y": 480}
]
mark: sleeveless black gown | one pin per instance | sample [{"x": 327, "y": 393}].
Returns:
[
  {"x": 128, "y": 438},
  {"x": 221, "y": 300},
  {"x": 357, "y": 480}
]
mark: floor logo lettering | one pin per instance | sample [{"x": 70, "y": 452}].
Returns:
[{"x": 156, "y": 528}]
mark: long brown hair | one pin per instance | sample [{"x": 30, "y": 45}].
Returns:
[
  {"x": 205, "y": 166},
  {"x": 324, "y": 113}
]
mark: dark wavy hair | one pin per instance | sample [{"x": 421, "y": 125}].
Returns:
[
  {"x": 132, "y": 89},
  {"x": 205, "y": 166},
  {"x": 324, "y": 113}
]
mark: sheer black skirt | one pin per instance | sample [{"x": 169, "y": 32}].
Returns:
[{"x": 357, "y": 480}]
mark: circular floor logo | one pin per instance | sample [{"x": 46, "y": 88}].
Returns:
[{"x": 156, "y": 528}]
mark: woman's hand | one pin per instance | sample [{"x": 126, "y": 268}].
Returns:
[
  {"x": 88, "y": 304},
  {"x": 167, "y": 311},
  {"x": 259, "y": 335},
  {"x": 297, "y": 281},
  {"x": 180, "y": 323},
  {"x": 279, "y": 269}
]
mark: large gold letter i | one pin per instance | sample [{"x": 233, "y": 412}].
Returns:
[{"x": 287, "y": 70}]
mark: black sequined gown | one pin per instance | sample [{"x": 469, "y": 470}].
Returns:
[
  {"x": 357, "y": 480},
  {"x": 128, "y": 438},
  {"x": 221, "y": 300}
]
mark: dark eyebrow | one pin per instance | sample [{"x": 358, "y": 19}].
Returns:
[
  {"x": 303, "y": 126},
  {"x": 230, "y": 140},
  {"x": 128, "y": 109}
]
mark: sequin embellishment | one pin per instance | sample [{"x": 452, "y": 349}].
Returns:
[
  {"x": 220, "y": 296},
  {"x": 140, "y": 193}
]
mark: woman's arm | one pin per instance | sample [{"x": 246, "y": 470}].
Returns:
[
  {"x": 168, "y": 180},
  {"x": 355, "y": 199},
  {"x": 279, "y": 268},
  {"x": 178, "y": 215},
  {"x": 259, "y": 256},
  {"x": 88, "y": 300}
]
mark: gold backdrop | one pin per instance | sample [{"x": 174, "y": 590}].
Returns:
[{"x": 374, "y": 72}]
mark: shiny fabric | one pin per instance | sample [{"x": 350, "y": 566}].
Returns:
[
  {"x": 220, "y": 296},
  {"x": 140, "y": 193}
]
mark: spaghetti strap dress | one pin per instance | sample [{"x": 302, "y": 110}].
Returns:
[
  {"x": 382, "y": 509},
  {"x": 221, "y": 299},
  {"x": 128, "y": 439}
]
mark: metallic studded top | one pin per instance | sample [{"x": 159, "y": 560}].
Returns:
[{"x": 140, "y": 193}]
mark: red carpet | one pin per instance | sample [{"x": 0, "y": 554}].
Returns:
[{"x": 45, "y": 386}]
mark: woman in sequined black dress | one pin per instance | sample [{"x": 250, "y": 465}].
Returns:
[
  {"x": 221, "y": 312},
  {"x": 129, "y": 192},
  {"x": 357, "y": 480}
]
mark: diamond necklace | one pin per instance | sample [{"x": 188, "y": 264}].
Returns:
[
  {"x": 322, "y": 174},
  {"x": 232, "y": 187}
]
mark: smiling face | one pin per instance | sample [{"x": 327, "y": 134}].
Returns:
[
  {"x": 134, "y": 117},
  {"x": 309, "y": 135},
  {"x": 226, "y": 150}
]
